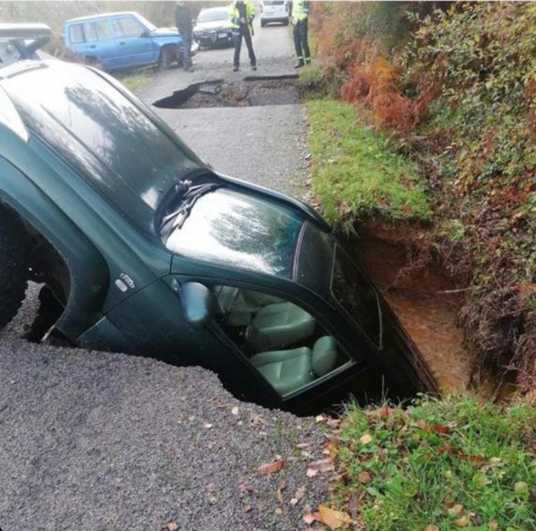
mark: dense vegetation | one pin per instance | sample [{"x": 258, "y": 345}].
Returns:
[{"x": 455, "y": 92}]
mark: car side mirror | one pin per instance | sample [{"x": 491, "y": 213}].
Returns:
[
  {"x": 145, "y": 34},
  {"x": 198, "y": 303}
]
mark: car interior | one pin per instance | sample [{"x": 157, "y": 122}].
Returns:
[{"x": 283, "y": 341}]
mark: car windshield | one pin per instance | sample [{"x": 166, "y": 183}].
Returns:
[
  {"x": 149, "y": 25},
  {"x": 356, "y": 295},
  {"x": 237, "y": 229},
  {"x": 213, "y": 15},
  {"x": 8, "y": 53}
]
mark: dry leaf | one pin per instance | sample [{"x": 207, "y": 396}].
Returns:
[
  {"x": 320, "y": 418},
  {"x": 366, "y": 438},
  {"x": 271, "y": 468},
  {"x": 364, "y": 477},
  {"x": 322, "y": 465},
  {"x": 172, "y": 526},
  {"x": 309, "y": 518},
  {"x": 456, "y": 510},
  {"x": 332, "y": 518},
  {"x": 493, "y": 524},
  {"x": 331, "y": 448},
  {"x": 247, "y": 508},
  {"x": 431, "y": 528},
  {"x": 464, "y": 521},
  {"x": 440, "y": 428},
  {"x": 280, "y": 488},
  {"x": 301, "y": 446},
  {"x": 333, "y": 423}
]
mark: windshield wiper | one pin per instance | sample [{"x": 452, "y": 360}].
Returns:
[{"x": 175, "y": 220}]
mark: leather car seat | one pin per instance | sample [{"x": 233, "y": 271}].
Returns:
[{"x": 279, "y": 325}]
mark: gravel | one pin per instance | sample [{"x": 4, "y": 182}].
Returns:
[
  {"x": 100, "y": 441},
  {"x": 94, "y": 440}
]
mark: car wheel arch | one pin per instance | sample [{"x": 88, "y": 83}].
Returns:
[{"x": 87, "y": 284}]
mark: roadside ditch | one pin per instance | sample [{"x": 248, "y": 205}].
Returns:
[{"x": 425, "y": 299}]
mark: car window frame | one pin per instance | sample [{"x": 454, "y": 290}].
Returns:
[
  {"x": 82, "y": 30},
  {"x": 117, "y": 21},
  {"x": 211, "y": 282}
]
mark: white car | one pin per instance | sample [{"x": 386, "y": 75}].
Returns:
[{"x": 274, "y": 11}]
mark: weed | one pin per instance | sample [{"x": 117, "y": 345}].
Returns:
[
  {"x": 450, "y": 463},
  {"x": 356, "y": 172}
]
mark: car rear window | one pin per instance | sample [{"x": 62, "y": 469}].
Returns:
[{"x": 212, "y": 15}]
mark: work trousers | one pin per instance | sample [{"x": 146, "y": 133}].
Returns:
[
  {"x": 301, "y": 41},
  {"x": 187, "y": 51},
  {"x": 237, "y": 38}
]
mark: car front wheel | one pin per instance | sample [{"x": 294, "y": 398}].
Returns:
[
  {"x": 167, "y": 57},
  {"x": 14, "y": 250}
]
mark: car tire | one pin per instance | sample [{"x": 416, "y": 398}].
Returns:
[
  {"x": 94, "y": 62},
  {"x": 167, "y": 57},
  {"x": 14, "y": 250}
]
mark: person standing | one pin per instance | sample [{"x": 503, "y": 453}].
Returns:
[
  {"x": 183, "y": 20},
  {"x": 241, "y": 14},
  {"x": 300, "y": 15}
]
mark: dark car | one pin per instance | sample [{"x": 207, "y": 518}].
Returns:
[
  {"x": 213, "y": 27},
  {"x": 145, "y": 249}
]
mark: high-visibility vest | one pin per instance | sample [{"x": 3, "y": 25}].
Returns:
[
  {"x": 300, "y": 10},
  {"x": 234, "y": 14}
]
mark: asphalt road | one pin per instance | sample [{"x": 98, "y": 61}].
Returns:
[
  {"x": 264, "y": 144},
  {"x": 98, "y": 441}
]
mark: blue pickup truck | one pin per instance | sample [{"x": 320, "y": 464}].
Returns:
[{"x": 123, "y": 40}]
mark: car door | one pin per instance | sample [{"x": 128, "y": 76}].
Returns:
[
  {"x": 100, "y": 43},
  {"x": 288, "y": 347},
  {"x": 135, "y": 48}
]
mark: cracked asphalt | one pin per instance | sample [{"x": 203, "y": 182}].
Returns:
[{"x": 100, "y": 441}]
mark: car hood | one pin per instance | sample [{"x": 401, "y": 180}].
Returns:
[
  {"x": 111, "y": 138},
  {"x": 165, "y": 32},
  {"x": 216, "y": 25}
]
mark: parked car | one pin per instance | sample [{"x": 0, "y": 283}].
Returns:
[
  {"x": 21, "y": 41},
  {"x": 122, "y": 40},
  {"x": 274, "y": 11},
  {"x": 213, "y": 27},
  {"x": 143, "y": 248}
]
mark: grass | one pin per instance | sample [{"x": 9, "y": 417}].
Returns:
[
  {"x": 136, "y": 80},
  {"x": 356, "y": 173},
  {"x": 439, "y": 465}
]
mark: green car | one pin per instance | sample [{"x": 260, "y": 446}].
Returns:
[{"x": 145, "y": 249}]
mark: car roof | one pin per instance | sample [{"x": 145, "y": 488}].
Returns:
[{"x": 101, "y": 15}]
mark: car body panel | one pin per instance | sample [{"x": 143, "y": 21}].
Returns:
[
  {"x": 274, "y": 11},
  {"x": 119, "y": 40}
]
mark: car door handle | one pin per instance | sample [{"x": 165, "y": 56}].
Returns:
[
  {"x": 92, "y": 46},
  {"x": 122, "y": 43}
]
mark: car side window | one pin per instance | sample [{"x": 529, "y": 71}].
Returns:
[
  {"x": 90, "y": 29},
  {"x": 127, "y": 27},
  {"x": 98, "y": 30},
  {"x": 282, "y": 341},
  {"x": 76, "y": 34}
]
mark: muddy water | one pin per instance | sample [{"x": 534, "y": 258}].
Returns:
[{"x": 426, "y": 303}]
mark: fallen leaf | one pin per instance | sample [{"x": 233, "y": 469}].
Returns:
[
  {"x": 332, "y": 518},
  {"x": 456, "y": 510},
  {"x": 331, "y": 448},
  {"x": 493, "y": 524},
  {"x": 333, "y": 423},
  {"x": 280, "y": 488},
  {"x": 298, "y": 496},
  {"x": 172, "y": 526},
  {"x": 364, "y": 477},
  {"x": 320, "y": 418},
  {"x": 440, "y": 428},
  {"x": 309, "y": 518},
  {"x": 322, "y": 465},
  {"x": 301, "y": 446},
  {"x": 464, "y": 521},
  {"x": 431, "y": 528},
  {"x": 353, "y": 506},
  {"x": 366, "y": 438},
  {"x": 279, "y": 511},
  {"x": 271, "y": 468},
  {"x": 247, "y": 508}
]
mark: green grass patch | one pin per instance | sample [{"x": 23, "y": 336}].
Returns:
[
  {"x": 135, "y": 81},
  {"x": 356, "y": 171},
  {"x": 451, "y": 463}
]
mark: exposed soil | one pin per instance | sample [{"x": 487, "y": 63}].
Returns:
[
  {"x": 251, "y": 92},
  {"x": 426, "y": 301}
]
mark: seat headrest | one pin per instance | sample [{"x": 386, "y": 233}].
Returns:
[{"x": 324, "y": 355}]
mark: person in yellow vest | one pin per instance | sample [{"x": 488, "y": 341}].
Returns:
[
  {"x": 299, "y": 16},
  {"x": 241, "y": 14}
]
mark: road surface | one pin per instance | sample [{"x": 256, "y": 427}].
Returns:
[{"x": 97, "y": 441}]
